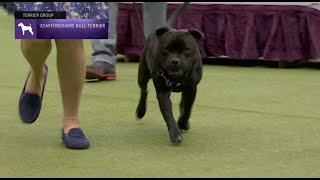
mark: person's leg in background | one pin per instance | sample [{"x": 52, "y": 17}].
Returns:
[
  {"x": 104, "y": 51},
  {"x": 154, "y": 16}
]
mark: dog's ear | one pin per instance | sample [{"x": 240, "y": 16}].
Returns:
[
  {"x": 161, "y": 31},
  {"x": 199, "y": 36}
]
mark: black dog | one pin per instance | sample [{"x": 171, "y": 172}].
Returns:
[{"x": 172, "y": 59}]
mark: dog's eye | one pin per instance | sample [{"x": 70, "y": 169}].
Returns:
[
  {"x": 165, "y": 52},
  {"x": 187, "y": 50}
]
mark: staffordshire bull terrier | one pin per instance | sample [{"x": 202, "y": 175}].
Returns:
[{"x": 171, "y": 58}]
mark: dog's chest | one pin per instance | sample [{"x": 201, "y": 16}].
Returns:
[{"x": 177, "y": 87}]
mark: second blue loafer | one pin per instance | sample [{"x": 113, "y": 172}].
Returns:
[{"x": 75, "y": 139}]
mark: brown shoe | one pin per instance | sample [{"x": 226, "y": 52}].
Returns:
[
  {"x": 132, "y": 58},
  {"x": 100, "y": 70}
]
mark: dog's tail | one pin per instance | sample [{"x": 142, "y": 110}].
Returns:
[
  {"x": 30, "y": 24},
  {"x": 173, "y": 19}
]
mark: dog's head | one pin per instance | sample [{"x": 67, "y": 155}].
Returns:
[
  {"x": 20, "y": 24},
  {"x": 178, "y": 49}
]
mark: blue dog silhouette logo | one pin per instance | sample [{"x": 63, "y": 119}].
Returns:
[{"x": 25, "y": 28}]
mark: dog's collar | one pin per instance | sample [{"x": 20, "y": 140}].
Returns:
[{"x": 169, "y": 83}]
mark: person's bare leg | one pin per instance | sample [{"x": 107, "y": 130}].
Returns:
[
  {"x": 71, "y": 64},
  {"x": 36, "y": 53}
]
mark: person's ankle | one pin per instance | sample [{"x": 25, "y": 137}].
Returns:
[
  {"x": 36, "y": 81},
  {"x": 70, "y": 123},
  {"x": 66, "y": 129}
]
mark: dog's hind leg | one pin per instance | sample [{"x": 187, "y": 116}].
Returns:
[
  {"x": 187, "y": 100},
  {"x": 144, "y": 76}
]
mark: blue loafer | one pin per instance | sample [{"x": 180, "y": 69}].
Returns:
[
  {"x": 75, "y": 139},
  {"x": 30, "y": 104}
]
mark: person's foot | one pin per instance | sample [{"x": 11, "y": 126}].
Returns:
[
  {"x": 132, "y": 58},
  {"x": 74, "y": 138},
  {"x": 30, "y": 101},
  {"x": 100, "y": 70}
]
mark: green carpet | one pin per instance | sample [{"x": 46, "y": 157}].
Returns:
[{"x": 246, "y": 122}]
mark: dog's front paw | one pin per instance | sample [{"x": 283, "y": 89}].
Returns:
[
  {"x": 141, "y": 111},
  {"x": 175, "y": 137},
  {"x": 185, "y": 126}
]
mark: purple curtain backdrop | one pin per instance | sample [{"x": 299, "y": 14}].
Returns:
[{"x": 238, "y": 31}]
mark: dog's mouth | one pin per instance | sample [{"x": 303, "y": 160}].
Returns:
[{"x": 175, "y": 72}]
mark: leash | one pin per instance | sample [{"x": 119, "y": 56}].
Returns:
[
  {"x": 139, "y": 20},
  {"x": 172, "y": 20}
]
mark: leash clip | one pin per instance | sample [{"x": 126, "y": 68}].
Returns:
[
  {"x": 168, "y": 83},
  {"x": 161, "y": 73}
]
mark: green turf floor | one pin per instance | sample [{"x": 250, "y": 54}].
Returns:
[{"x": 246, "y": 122}]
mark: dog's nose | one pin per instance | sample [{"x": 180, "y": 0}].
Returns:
[{"x": 175, "y": 62}]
